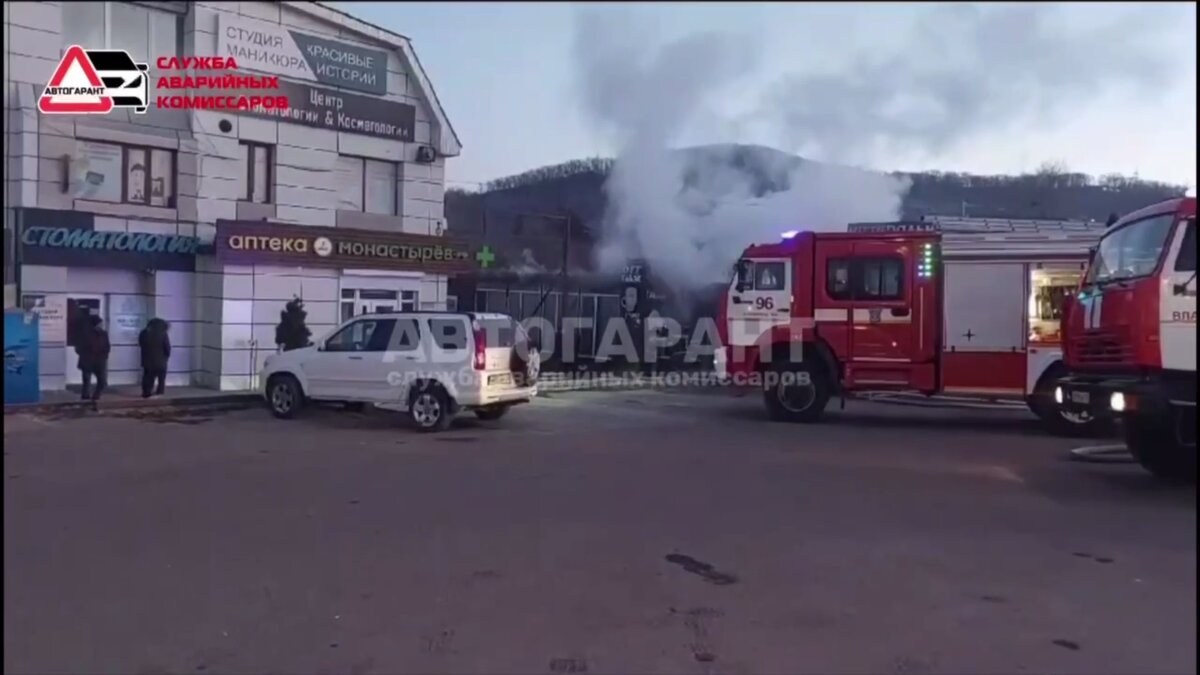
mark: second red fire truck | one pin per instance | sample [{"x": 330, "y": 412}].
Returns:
[
  {"x": 943, "y": 306},
  {"x": 1131, "y": 336}
]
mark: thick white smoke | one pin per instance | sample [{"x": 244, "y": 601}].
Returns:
[{"x": 689, "y": 214}]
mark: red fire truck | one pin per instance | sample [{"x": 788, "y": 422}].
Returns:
[
  {"x": 1131, "y": 336},
  {"x": 961, "y": 306}
]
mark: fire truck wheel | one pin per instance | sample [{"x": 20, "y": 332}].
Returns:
[
  {"x": 1154, "y": 444},
  {"x": 796, "y": 393}
]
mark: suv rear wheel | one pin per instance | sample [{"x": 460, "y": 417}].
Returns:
[{"x": 430, "y": 408}]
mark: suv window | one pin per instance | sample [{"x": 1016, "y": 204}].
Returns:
[
  {"x": 864, "y": 278},
  {"x": 449, "y": 334},
  {"x": 408, "y": 335},
  {"x": 499, "y": 332},
  {"x": 364, "y": 335},
  {"x": 1185, "y": 261}
]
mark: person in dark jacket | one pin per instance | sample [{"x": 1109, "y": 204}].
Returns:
[
  {"x": 156, "y": 350},
  {"x": 93, "y": 348}
]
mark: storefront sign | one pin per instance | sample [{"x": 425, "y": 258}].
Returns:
[
  {"x": 272, "y": 48},
  {"x": 330, "y": 109},
  {"x": 241, "y": 242},
  {"x": 69, "y": 239}
]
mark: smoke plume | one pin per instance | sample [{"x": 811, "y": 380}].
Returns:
[{"x": 690, "y": 213}]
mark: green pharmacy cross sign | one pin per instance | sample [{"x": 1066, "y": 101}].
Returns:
[{"x": 485, "y": 256}]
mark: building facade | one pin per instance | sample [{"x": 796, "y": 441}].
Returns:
[{"x": 214, "y": 219}]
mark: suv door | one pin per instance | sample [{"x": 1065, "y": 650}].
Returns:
[
  {"x": 350, "y": 364},
  {"x": 404, "y": 360}
]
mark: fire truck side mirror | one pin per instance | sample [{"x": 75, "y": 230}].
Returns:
[{"x": 741, "y": 271}]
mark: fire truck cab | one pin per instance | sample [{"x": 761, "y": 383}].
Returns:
[
  {"x": 1131, "y": 336},
  {"x": 964, "y": 307}
]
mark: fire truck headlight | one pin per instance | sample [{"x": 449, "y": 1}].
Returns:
[
  {"x": 1117, "y": 402},
  {"x": 1058, "y": 395}
]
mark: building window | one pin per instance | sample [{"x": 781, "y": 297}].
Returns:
[
  {"x": 259, "y": 176},
  {"x": 108, "y": 172},
  {"x": 356, "y": 302},
  {"x": 366, "y": 185},
  {"x": 144, "y": 32}
]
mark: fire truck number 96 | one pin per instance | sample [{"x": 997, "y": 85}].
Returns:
[{"x": 764, "y": 303}]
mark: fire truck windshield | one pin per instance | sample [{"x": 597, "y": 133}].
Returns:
[{"x": 1131, "y": 250}]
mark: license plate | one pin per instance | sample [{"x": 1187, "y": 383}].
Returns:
[
  {"x": 1081, "y": 397},
  {"x": 501, "y": 379}
]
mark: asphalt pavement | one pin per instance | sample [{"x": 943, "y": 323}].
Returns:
[{"x": 598, "y": 532}]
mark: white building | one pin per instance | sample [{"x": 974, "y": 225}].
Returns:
[{"x": 200, "y": 177}]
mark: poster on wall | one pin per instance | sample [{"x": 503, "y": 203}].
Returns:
[
  {"x": 52, "y": 315},
  {"x": 125, "y": 328},
  {"x": 129, "y": 316},
  {"x": 96, "y": 171}
]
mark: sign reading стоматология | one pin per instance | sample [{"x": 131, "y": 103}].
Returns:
[
  {"x": 272, "y": 48},
  {"x": 251, "y": 242},
  {"x": 69, "y": 239}
]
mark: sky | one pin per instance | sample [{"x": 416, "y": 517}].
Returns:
[{"x": 1100, "y": 88}]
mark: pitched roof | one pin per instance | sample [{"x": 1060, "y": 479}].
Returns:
[{"x": 445, "y": 139}]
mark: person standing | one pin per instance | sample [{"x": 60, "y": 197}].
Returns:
[
  {"x": 93, "y": 349},
  {"x": 156, "y": 350}
]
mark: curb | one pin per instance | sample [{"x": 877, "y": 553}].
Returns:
[
  {"x": 551, "y": 386},
  {"x": 240, "y": 398}
]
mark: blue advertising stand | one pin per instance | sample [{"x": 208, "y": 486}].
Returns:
[{"x": 21, "y": 357}]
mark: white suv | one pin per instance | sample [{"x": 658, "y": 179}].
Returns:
[{"x": 428, "y": 364}]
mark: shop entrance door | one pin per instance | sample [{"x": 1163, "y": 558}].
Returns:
[{"x": 79, "y": 308}]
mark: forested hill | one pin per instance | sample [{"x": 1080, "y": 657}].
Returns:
[{"x": 576, "y": 188}]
